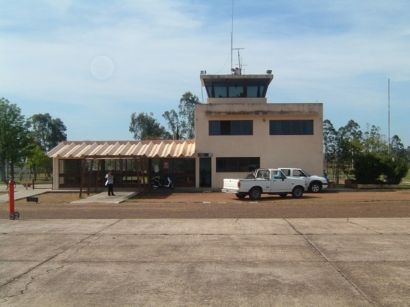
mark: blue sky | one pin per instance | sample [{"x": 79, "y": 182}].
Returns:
[{"x": 93, "y": 63}]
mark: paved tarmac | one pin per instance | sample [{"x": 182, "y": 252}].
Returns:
[
  {"x": 215, "y": 262},
  {"x": 21, "y": 192},
  {"x": 204, "y": 262}
]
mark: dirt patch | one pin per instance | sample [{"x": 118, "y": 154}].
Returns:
[{"x": 220, "y": 205}]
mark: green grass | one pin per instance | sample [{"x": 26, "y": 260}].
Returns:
[{"x": 406, "y": 180}]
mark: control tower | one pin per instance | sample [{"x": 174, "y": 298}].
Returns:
[{"x": 236, "y": 88}]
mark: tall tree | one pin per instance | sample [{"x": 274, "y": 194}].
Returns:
[
  {"x": 187, "y": 114},
  {"x": 374, "y": 142},
  {"x": 397, "y": 148},
  {"x": 182, "y": 124},
  {"x": 341, "y": 145},
  {"x": 39, "y": 162},
  {"x": 173, "y": 123},
  {"x": 48, "y": 132},
  {"x": 145, "y": 127},
  {"x": 329, "y": 142},
  {"x": 15, "y": 137}
]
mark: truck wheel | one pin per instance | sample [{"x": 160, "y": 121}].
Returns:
[
  {"x": 241, "y": 195},
  {"x": 255, "y": 193},
  {"x": 315, "y": 187},
  {"x": 283, "y": 195},
  {"x": 297, "y": 192}
]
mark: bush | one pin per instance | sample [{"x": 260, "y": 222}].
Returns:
[
  {"x": 395, "y": 169},
  {"x": 367, "y": 169}
]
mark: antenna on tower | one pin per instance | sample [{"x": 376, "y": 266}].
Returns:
[{"x": 237, "y": 70}]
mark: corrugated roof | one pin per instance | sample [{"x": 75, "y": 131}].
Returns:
[{"x": 149, "y": 149}]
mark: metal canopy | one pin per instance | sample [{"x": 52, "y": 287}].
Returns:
[{"x": 123, "y": 149}]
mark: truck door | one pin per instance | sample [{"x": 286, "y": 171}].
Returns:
[{"x": 278, "y": 182}]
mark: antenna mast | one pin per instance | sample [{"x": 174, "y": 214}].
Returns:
[
  {"x": 232, "y": 37},
  {"x": 388, "y": 98},
  {"x": 236, "y": 71}
]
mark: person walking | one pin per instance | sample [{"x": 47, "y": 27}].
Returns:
[{"x": 110, "y": 183}]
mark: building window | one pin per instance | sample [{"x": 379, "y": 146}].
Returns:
[
  {"x": 237, "y": 164},
  {"x": 230, "y": 127},
  {"x": 291, "y": 127}
]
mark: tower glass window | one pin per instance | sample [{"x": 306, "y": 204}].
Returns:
[{"x": 236, "y": 86}]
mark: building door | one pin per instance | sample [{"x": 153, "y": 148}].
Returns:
[{"x": 205, "y": 171}]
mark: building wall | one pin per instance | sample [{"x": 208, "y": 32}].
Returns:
[{"x": 304, "y": 151}]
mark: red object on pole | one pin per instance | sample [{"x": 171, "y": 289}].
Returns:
[
  {"x": 11, "y": 197},
  {"x": 12, "y": 215}
]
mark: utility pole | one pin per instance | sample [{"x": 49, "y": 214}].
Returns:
[
  {"x": 388, "y": 120},
  {"x": 232, "y": 37}
]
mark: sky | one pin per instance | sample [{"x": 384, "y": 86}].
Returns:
[{"x": 94, "y": 63}]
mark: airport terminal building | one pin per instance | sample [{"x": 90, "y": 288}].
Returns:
[{"x": 236, "y": 131}]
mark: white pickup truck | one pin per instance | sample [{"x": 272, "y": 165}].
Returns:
[
  {"x": 265, "y": 181},
  {"x": 316, "y": 183}
]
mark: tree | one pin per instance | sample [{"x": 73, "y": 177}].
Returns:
[
  {"x": 39, "y": 162},
  {"x": 341, "y": 145},
  {"x": 187, "y": 113},
  {"x": 366, "y": 155},
  {"x": 394, "y": 169},
  {"x": 367, "y": 168},
  {"x": 15, "y": 137},
  {"x": 397, "y": 148},
  {"x": 173, "y": 123},
  {"x": 145, "y": 127},
  {"x": 48, "y": 132},
  {"x": 182, "y": 124},
  {"x": 329, "y": 141},
  {"x": 374, "y": 142},
  {"x": 396, "y": 163}
]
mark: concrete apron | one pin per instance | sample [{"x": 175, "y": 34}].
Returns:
[
  {"x": 205, "y": 262},
  {"x": 104, "y": 198}
]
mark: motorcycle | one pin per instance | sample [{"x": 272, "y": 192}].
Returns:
[{"x": 164, "y": 182}]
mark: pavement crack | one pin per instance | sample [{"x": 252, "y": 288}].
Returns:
[
  {"x": 52, "y": 257},
  {"x": 80, "y": 247},
  {"x": 367, "y": 228},
  {"x": 330, "y": 263}
]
